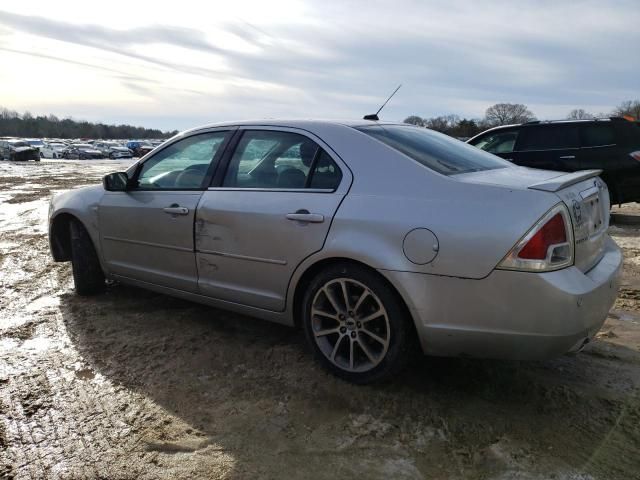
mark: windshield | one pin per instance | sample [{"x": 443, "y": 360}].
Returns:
[
  {"x": 434, "y": 150},
  {"x": 19, "y": 144}
]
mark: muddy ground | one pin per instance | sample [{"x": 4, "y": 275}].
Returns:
[{"x": 132, "y": 384}]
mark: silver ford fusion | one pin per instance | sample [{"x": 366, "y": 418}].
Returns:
[{"x": 375, "y": 238}]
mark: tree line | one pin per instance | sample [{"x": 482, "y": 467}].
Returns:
[
  {"x": 14, "y": 124},
  {"x": 506, "y": 114}
]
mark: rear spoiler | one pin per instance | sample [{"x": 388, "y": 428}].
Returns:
[{"x": 562, "y": 181}]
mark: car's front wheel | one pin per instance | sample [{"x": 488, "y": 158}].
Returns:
[
  {"x": 356, "y": 324},
  {"x": 88, "y": 277}
]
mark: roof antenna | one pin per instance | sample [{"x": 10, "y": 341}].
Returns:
[{"x": 374, "y": 116}]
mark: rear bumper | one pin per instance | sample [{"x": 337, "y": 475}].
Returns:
[{"x": 515, "y": 315}]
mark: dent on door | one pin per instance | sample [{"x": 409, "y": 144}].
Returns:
[{"x": 249, "y": 243}]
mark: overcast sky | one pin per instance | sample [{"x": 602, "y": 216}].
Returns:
[{"x": 198, "y": 62}]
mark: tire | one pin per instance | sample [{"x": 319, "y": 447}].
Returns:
[
  {"x": 41, "y": 155},
  {"x": 351, "y": 350},
  {"x": 88, "y": 277}
]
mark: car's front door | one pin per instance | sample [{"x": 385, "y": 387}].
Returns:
[
  {"x": 272, "y": 209},
  {"x": 500, "y": 142},
  {"x": 146, "y": 233}
]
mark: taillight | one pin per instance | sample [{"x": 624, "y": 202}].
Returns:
[
  {"x": 547, "y": 246},
  {"x": 635, "y": 155}
]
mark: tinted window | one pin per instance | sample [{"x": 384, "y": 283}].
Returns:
[
  {"x": 548, "y": 137},
  {"x": 498, "y": 142},
  {"x": 182, "y": 165},
  {"x": 280, "y": 160},
  {"x": 326, "y": 173},
  {"x": 597, "y": 135},
  {"x": 434, "y": 150}
]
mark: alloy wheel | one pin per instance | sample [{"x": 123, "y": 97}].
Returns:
[{"x": 350, "y": 325}]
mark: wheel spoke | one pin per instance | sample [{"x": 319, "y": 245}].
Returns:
[
  {"x": 335, "y": 348},
  {"x": 364, "y": 295},
  {"x": 351, "y": 355},
  {"x": 374, "y": 336},
  {"x": 326, "y": 331},
  {"x": 332, "y": 300},
  {"x": 371, "y": 316},
  {"x": 320, "y": 313},
  {"x": 347, "y": 303},
  {"x": 366, "y": 351}
]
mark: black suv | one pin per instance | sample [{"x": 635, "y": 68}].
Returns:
[{"x": 611, "y": 144}]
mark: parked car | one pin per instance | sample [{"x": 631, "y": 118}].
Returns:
[
  {"x": 18, "y": 150},
  {"x": 52, "y": 150},
  {"x": 612, "y": 145},
  {"x": 139, "y": 149},
  {"x": 113, "y": 150},
  {"x": 81, "y": 151},
  {"x": 34, "y": 142},
  {"x": 372, "y": 237}
]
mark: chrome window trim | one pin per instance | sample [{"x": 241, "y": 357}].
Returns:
[{"x": 274, "y": 189}]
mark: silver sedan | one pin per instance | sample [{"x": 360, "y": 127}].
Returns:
[{"x": 374, "y": 238}]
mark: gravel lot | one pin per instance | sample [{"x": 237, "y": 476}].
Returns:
[{"x": 132, "y": 384}]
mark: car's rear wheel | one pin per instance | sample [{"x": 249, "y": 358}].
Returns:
[
  {"x": 88, "y": 277},
  {"x": 356, "y": 324}
]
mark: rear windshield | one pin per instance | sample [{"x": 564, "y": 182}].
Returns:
[{"x": 434, "y": 150}]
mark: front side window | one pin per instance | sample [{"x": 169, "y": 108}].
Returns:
[
  {"x": 498, "y": 142},
  {"x": 280, "y": 160},
  {"x": 549, "y": 137},
  {"x": 434, "y": 150},
  {"x": 597, "y": 135},
  {"x": 183, "y": 164}
]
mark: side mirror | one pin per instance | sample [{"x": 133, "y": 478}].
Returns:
[{"x": 116, "y": 182}]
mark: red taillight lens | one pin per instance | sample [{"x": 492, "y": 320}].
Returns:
[
  {"x": 547, "y": 246},
  {"x": 552, "y": 233},
  {"x": 635, "y": 155}
]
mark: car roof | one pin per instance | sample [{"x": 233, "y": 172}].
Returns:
[{"x": 294, "y": 123}]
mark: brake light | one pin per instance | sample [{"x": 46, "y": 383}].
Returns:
[
  {"x": 552, "y": 233},
  {"x": 635, "y": 155},
  {"x": 547, "y": 246}
]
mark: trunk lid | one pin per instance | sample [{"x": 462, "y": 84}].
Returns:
[{"x": 587, "y": 199}]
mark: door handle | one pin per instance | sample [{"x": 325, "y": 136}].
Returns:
[
  {"x": 304, "y": 216},
  {"x": 567, "y": 157},
  {"x": 175, "y": 209}
]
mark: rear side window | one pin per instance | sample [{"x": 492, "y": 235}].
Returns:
[
  {"x": 549, "y": 137},
  {"x": 498, "y": 142},
  {"x": 434, "y": 150},
  {"x": 597, "y": 135},
  {"x": 280, "y": 160}
]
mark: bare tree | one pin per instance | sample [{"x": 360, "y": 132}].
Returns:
[
  {"x": 629, "y": 107},
  {"x": 414, "y": 120},
  {"x": 508, "y": 113},
  {"x": 579, "y": 114},
  {"x": 443, "y": 124}
]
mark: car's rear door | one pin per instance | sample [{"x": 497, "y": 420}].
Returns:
[
  {"x": 600, "y": 149},
  {"x": 271, "y": 210},
  {"x": 553, "y": 146},
  {"x": 146, "y": 233}
]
